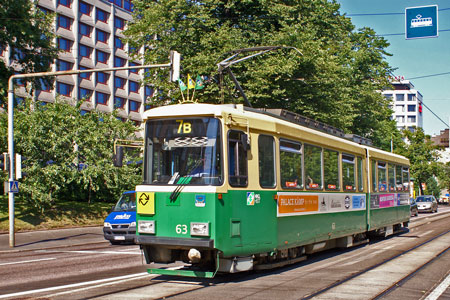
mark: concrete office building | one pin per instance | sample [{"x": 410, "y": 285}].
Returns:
[
  {"x": 406, "y": 104},
  {"x": 89, "y": 36}
]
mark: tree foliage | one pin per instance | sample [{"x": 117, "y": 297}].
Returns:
[
  {"x": 28, "y": 32},
  {"x": 336, "y": 80},
  {"x": 69, "y": 155},
  {"x": 422, "y": 155}
]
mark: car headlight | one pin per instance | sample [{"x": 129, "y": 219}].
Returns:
[
  {"x": 107, "y": 224},
  {"x": 133, "y": 224},
  {"x": 199, "y": 229},
  {"x": 146, "y": 226}
]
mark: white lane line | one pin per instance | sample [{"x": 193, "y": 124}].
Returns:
[
  {"x": 26, "y": 261},
  {"x": 88, "y": 252},
  {"x": 427, "y": 232},
  {"x": 74, "y": 285},
  {"x": 439, "y": 290}
]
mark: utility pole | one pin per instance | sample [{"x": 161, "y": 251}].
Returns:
[{"x": 174, "y": 64}]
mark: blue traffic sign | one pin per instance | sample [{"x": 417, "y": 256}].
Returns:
[
  {"x": 421, "y": 22},
  {"x": 13, "y": 186}
]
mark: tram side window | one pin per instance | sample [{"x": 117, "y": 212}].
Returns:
[
  {"x": 398, "y": 178},
  {"x": 405, "y": 179},
  {"x": 313, "y": 166},
  {"x": 331, "y": 169},
  {"x": 391, "y": 177},
  {"x": 373, "y": 165},
  {"x": 291, "y": 164},
  {"x": 360, "y": 174},
  {"x": 266, "y": 154},
  {"x": 348, "y": 172},
  {"x": 382, "y": 178},
  {"x": 237, "y": 159}
]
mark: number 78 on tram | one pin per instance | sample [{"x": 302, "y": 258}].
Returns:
[{"x": 228, "y": 188}]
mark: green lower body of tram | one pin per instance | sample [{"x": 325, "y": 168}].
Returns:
[{"x": 243, "y": 230}]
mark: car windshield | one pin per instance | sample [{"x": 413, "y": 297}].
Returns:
[
  {"x": 127, "y": 202},
  {"x": 424, "y": 199},
  {"x": 183, "y": 151}
]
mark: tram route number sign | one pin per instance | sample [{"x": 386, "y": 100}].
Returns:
[
  {"x": 145, "y": 203},
  {"x": 421, "y": 22}
]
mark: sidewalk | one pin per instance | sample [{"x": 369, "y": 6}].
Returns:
[{"x": 43, "y": 239}]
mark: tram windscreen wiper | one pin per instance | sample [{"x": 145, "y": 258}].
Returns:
[{"x": 183, "y": 181}]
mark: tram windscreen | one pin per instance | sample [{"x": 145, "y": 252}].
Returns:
[{"x": 184, "y": 151}]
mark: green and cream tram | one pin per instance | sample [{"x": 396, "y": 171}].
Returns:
[{"x": 229, "y": 188}]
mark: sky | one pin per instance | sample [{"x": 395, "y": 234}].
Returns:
[{"x": 413, "y": 57}]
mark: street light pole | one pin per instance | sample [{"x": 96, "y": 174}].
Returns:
[{"x": 174, "y": 64}]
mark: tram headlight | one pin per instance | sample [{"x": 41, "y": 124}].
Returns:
[
  {"x": 107, "y": 224},
  {"x": 146, "y": 226},
  {"x": 199, "y": 229}
]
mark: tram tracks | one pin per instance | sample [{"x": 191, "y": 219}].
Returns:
[{"x": 345, "y": 283}]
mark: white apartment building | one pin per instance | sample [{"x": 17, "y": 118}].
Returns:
[
  {"x": 89, "y": 36},
  {"x": 406, "y": 104}
]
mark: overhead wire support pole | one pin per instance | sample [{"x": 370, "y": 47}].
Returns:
[{"x": 172, "y": 64}]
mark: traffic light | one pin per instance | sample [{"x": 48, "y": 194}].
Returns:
[
  {"x": 4, "y": 162},
  {"x": 175, "y": 59}
]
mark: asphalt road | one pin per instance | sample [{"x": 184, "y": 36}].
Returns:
[{"x": 80, "y": 264}]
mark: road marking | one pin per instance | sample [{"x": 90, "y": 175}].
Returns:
[
  {"x": 427, "y": 232},
  {"x": 26, "y": 261},
  {"x": 89, "y": 252},
  {"x": 439, "y": 290},
  {"x": 74, "y": 285}
]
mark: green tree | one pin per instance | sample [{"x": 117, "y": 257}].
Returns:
[
  {"x": 422, "y": 155},
  {"x": 28, "y": 32},
  {"x": 433, "y": 188},
  {"x": 69, "y": 155},
  {"x": 337, "y": 79}
]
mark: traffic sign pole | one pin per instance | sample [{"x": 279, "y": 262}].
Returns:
[{"x": 11, "y": 157}]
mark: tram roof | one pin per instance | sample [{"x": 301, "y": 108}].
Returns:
[{"x": 205, "y": 109}]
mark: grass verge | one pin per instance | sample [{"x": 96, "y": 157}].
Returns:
[{"x": 61, "y": 215}]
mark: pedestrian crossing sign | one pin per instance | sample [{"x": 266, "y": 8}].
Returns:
[{"x": 13, "y": 186}]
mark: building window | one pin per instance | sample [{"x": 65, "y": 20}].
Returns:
[
  {"x": 411, "y": 119},
  {"x": 266, "y": 161},
  {"x": 400, "y": 97},
  {"x": 148, "y": 92},
  {"x": 64, "y": 89},
  {"x": 85, "y": 51},
  {"x": 102, "y": 77},
  {"x": 131, "y": 64},
  {"x": 85, "y": 8},
  {"x": 85, "y": 30},
  {"x": 44, "y": 85},
  {"x": 85, "y": 75},
  {"x": 65, "y": 2},
  {"x": 388, "y": 96},
  {"x": 102, "y": 57},
  {"x": 411, "y": 97},
  {"x": 119, "y": 62},
  {"x": 64, "y": 44},
  {"x": 411, "y": 108},
  {"x": 400, "y": 119},
  {"x": 102, "y": 36},
  {"x": 119, "y": 82},
  {"x": 399, "y": 108},
  {"x": 119, "y": 23},
  {"x": 134, "y": 106},
  {"x": 84, "y": 94},
  {"x": 118, "y": 43},
  {"x": 118, "y": 3},
  {"x": 64, "y": 22},
  {"x": 127, "y": 5},
  {"x": 134, "y": 87},
  {"x": 62, "y": 65},
  {"x": 101, "y": 98},
  {"x": 119, "y": 102},
  {"x": 102, "y": 16}
]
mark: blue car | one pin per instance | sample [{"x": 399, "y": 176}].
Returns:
[{"x": 120, "y": 224}]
